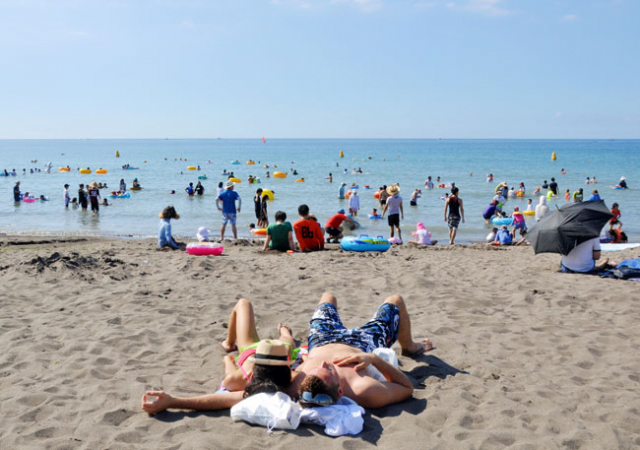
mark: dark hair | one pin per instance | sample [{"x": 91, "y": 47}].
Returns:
[
  {"x": 316, "y": 385},
  {"x": 281, "y": 216},
  {"x": 169, "y": 213},
  {"x": 615, "y": 205},
  {"x": 303, "y": 210},
  {"x": 268, "y": 379},
  {"x": 220, "y": 184},
  {"x": 454, "y": 190}
]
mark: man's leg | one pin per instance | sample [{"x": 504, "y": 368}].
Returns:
[
  {"x": 328, "y": 297},
  {"x": 235, "y": 231},
  {"x": 391, "y": 232},
  {"x": 242, "y": 326},
  {"x": 224, "y": 226},
  {"x": 399, "y": 232},
  {"x": 409, "y": 346}
]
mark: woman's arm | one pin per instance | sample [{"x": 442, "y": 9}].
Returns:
[{"x": 208, "y": 402}]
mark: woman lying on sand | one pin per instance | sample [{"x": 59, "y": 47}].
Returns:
[{"x": 245, "y": 376}]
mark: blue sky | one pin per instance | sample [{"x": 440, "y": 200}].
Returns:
[{"x": 319, "y": 68}]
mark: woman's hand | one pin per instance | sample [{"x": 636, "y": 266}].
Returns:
[{"x": 163, "y": 402}]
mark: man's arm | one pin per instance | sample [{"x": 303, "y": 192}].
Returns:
[
  {"x": 461, "y": 209},
  {"x": 209, "y": 402},
  {"x": 401, "y": 211},
  {"x": 386, "y": 206},
  {"x": 371, "y": 393},
  {"x": 239, "y": 203}
]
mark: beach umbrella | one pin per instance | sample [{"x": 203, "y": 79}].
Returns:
[{"x": 562, "y": 230}]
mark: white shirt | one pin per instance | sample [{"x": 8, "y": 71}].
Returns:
[
  {"x": 354, "y": 202},
  {"x": 580, "y": 259},
  {"x": 422, "y": 236}
]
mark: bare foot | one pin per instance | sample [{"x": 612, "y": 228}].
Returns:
[
  {"x": 228, "y": 347},
  {"x": 284, "y": 326},
  {"x": 417, "y": 348}
]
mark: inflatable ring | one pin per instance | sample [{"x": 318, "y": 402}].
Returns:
[
  {"x": 235, "y": 162},
  {"x": 364, "y": 243},
  {"x": 529, "y": 213},
  {"x": 300, "y": 180},
  {"x": 63, "y": 169},
  {"x": 279, "y": 174},
  {"x": 202, "y": 177},
  {"x": 85, "y": 170},
  {"x": 204, "y": 248},
  {"x": 139, "y": 188},
  {"x": 519, "y": 194},
  {"x": 502, "y": 220},
  {"x": 191, "y": 168},
  {"x": 268, "y": 193},
  {"x": 29, "y": 200},
  {"x": 377, "y": 216},
  {"x": 125, "y": 195},
  {"x": 101, "y": 171},
  {"x": 250, "y": 163},
  {"x": 235, "y": 180},
  {"x": 259, "y": 231}
]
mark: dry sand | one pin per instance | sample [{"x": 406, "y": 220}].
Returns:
[{"x": 525, "y": 358}]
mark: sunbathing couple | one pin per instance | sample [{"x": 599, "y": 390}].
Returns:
[{"x": 336, "y": 363}]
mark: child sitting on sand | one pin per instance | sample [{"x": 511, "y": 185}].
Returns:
[
  {"x": 203, "y": 234},
  {"x": 422, "y": 235},
  {"x": 165, "y": 239}
]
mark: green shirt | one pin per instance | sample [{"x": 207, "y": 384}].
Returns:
[{"x": 279, "y": 233}]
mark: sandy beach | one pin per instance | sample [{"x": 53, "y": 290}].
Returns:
[{"x": 525, "y": 357}]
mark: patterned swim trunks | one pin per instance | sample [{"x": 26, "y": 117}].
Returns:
[{"x": 325, "y": 327}]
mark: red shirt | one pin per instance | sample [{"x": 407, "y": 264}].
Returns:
[
  {"x": 309, "y": 234},
  {"x": 335, "y": 221}
]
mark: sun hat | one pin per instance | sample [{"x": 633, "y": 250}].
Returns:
[
  {"x": 271, "y": 352},
  {"x": 393, "y": 189},
  {"x": 229, "y": 184},
  {"x": 623, "y": 178},
  {"x": 203, "y": 234},
  {"x": 420, "y": 226},
  {"x": 93, "y": 185},
  {"x": 341, "y": 211}
]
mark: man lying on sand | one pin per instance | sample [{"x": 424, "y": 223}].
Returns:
[{"x": 335, "y": 365}]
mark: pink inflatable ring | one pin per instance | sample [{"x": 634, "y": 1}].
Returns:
[{"x": 204, "y": 248}]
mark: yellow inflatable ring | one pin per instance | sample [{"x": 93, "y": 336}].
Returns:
[
  {"x": 519, "y": 194},
  {"x": 63, "y": 169},
  {"x": 235, "y": 180},
  {"x": 101, "y": 171},
  {"x": 279, "y": 174},
  {"x": 529, "y": 213},
  {"x": 85, "y": 170},
  {"x": 300, "y": 180},
  {"x": 268, "y": 193},
  {"x": 191, "y": 168},
  {"x": 250, "y": 163}
]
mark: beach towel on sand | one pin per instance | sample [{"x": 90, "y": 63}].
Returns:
[
  {"x": 629, "y": 269},
  {"x": 278, "y": 411}
]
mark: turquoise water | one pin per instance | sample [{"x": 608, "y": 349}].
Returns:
[{"x": 407, "y": 162}]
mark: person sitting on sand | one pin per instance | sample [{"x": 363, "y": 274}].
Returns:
[
  {"x": 165, "y": 239},
  {"x": 422, "y": 235},
  {"x": 583, "y": 257},
  {"x": 491, "y": 236},
  {"x": 503, "y": 237},
  {"x": 279, "y": 234},
  {"x": 245, "y": 375},
  {"x": 308, "y": 232},
  {"x": 333, "y": 228}
]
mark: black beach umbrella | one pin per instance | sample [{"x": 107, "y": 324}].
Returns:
[{"x": 562, "y": 230}]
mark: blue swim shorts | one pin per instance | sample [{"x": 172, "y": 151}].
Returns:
[
  {"x": 228, "y": 218},
  {"x": 325, "y": 327}
]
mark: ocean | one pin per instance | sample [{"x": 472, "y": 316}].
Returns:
[{"x": 162, "y": 167}]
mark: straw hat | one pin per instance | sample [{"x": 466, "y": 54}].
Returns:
[
  {"x": 393, "y": 189},
  {"x": 623, "y": 178},
  {"x": 229, "y": 184},
  {"x": 271, "y": 353}
]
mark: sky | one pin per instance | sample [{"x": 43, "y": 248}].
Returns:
[{"x": 557, "y": 69}]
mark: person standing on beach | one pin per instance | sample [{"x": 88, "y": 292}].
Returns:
[
  {"x": 228, "y": 200},
  {"x": 456, "y": 212},
  {"x": 393, "y": 204},
  {"x": 257, "y": 206},
  {"x": 16, "y": 192},
  {"x": 65, "y": 195}
]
